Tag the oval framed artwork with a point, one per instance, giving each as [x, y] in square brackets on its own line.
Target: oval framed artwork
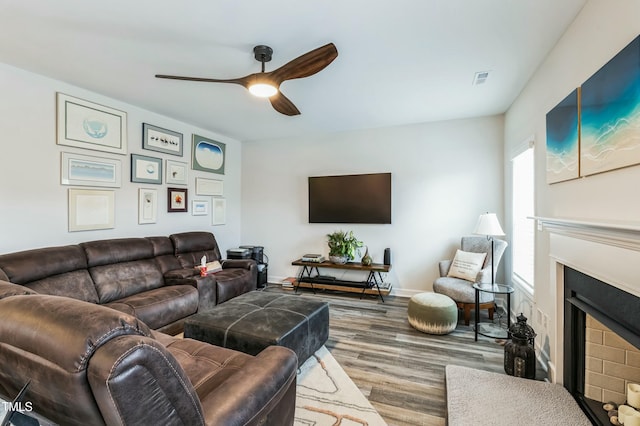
[207, 155]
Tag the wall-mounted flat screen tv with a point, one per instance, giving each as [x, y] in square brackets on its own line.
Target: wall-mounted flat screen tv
[364, 198]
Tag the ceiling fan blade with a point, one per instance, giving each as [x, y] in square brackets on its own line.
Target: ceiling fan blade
[283, 105]
[243, 81]
[307, 64]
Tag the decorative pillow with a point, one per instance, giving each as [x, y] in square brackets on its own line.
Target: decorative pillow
[466, 265]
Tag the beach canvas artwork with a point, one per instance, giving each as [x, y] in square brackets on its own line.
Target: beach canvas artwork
[610, 114]
[563, 139]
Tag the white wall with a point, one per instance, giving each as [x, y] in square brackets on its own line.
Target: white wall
[443, 176]
[440, 171]
[33, 203]
[598, 33]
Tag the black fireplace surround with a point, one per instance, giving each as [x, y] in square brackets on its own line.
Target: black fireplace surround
[615, 308]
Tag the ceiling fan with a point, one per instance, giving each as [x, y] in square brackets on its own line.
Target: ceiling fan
[267, 84]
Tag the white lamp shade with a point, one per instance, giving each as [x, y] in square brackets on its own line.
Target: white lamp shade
[488, 224]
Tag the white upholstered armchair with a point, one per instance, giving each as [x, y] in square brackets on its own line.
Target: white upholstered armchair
[461, 290]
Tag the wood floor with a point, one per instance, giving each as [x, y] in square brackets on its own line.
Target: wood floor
[400, 370]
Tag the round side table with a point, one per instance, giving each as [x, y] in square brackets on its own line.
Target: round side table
[489, 329]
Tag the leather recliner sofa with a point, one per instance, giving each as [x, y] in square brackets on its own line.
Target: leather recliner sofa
[150, 278]
[189, 247]
[89, 364]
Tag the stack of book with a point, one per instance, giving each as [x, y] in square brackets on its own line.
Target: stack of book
[316, 258]
[289, 283]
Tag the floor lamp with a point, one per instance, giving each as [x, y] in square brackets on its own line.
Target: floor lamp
[489, 225]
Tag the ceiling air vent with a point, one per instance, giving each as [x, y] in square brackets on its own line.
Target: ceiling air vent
[480, 77]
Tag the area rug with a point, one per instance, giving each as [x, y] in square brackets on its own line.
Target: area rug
[476, 397]
[327, 396]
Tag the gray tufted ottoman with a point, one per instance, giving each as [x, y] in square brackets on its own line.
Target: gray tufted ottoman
[251, 322]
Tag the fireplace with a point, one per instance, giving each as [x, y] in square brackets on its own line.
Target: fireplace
[601, 342]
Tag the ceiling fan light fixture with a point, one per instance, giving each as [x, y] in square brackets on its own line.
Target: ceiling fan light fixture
[263, 90]
[267, 84]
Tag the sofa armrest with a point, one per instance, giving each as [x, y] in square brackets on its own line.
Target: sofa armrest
[239, 263]
[262, 392]
[206, 286]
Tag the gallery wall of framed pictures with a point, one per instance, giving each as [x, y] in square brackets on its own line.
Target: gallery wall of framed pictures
[93, 139]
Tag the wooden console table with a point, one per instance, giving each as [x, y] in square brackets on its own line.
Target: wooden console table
[310, 277]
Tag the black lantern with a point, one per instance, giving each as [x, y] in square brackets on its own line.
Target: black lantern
[519, 352]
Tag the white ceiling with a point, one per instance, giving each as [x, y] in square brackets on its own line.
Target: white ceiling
[400, 62]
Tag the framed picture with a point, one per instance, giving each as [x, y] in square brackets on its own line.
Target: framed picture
[91, 209]
[147, 205]
[207, 155]
[177, 200]
[212, 187]
[219, 211]
[200, 207]
[162, 140]
[176, 172]
[84, 170]
[87, 125]
[146, 169]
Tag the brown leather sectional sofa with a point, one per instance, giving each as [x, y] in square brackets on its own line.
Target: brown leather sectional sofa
[83, 323]
[152, 278]
[91, 365]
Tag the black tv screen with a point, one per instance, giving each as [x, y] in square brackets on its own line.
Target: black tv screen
[362, 198]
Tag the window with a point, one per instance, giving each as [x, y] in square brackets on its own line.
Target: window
[523, 247]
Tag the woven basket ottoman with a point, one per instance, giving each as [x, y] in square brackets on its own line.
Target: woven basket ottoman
[433, 313]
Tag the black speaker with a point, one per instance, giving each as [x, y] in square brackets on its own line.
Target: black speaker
[387, 256]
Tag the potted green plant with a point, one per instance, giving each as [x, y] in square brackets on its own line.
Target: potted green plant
[343, 246]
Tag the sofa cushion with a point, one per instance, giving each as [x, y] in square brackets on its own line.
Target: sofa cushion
[77, 285]
[263, 381]
[160, 306]
[60, 271]
[163, 252]
[8, 289]
[207, 366]
[191, 246]
[107, 252]
[461, 291]
[119, 280]
[122, 267]
[161, 245]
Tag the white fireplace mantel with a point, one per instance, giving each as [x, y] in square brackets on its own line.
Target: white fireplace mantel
[608, 251]
[619, 234]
